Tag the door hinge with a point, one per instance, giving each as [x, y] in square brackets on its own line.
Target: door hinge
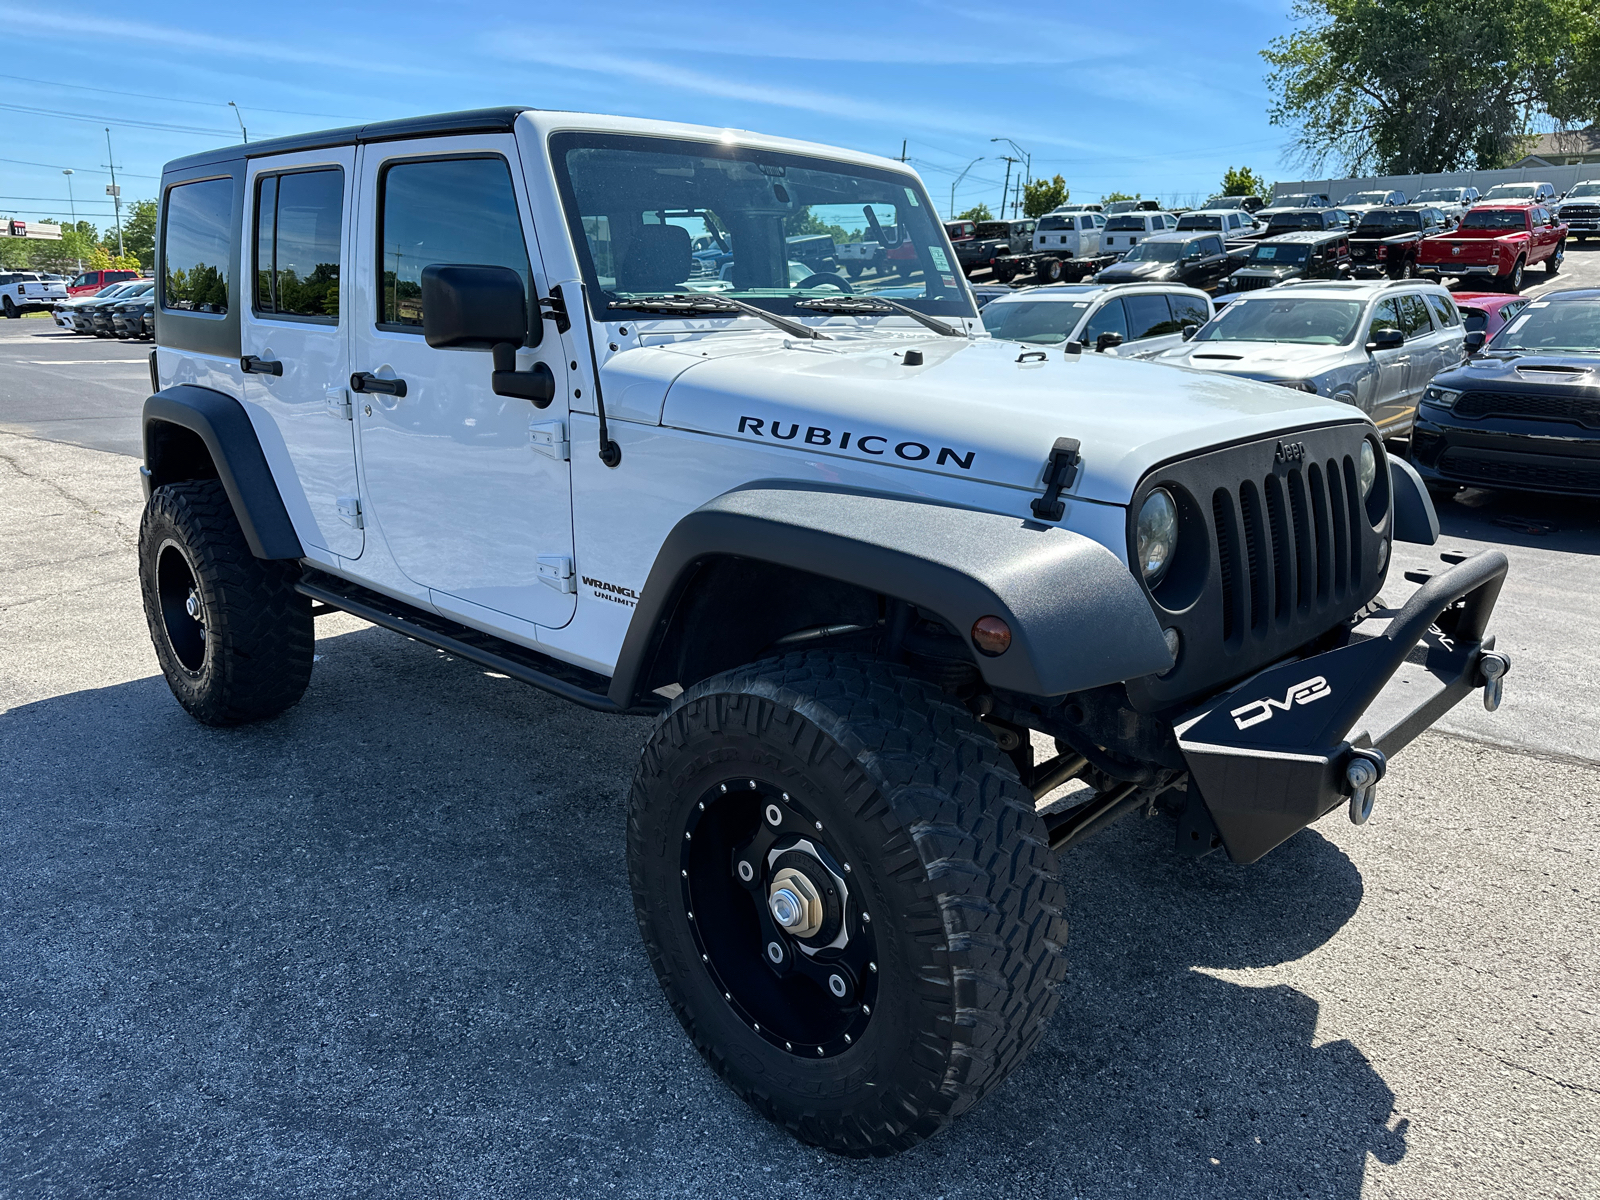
[554, 308]
[555, 571]
[350, 512]
[550, 438]
[337, 401]
[1059, 472]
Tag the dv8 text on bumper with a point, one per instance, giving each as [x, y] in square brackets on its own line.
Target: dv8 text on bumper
[1288, 746]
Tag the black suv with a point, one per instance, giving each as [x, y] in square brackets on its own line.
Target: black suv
[1524, 414]
[1385, 243]
[1308, 254]
[1199, 261]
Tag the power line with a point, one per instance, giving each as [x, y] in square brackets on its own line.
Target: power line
[22, 162]
[292, 112]
[129, 123]
[49, 198]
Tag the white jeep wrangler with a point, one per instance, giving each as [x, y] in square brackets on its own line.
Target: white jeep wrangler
[455, 375]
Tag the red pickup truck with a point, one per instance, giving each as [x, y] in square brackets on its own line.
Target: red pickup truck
[1497, 241]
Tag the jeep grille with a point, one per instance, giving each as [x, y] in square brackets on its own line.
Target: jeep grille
[1276, 547]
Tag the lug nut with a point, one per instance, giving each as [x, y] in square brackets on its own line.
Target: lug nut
[775, 952]
[837, 985]
[746, 871]
[774, 815]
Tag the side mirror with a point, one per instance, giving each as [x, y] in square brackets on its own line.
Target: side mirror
[485, 308]
[1107, 341]
[1474, 342]
[1189, 331]
[1387, 339]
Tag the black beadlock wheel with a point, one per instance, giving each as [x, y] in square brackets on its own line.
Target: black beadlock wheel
[846, 895]
[234, 639]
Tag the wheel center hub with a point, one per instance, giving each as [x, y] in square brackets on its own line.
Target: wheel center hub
[795, 903]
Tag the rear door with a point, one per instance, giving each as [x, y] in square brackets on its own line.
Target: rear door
[1153, 326]
[297, 252]
[471, 491]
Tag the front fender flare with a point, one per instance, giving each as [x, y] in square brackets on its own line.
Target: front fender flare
[1078, 618]
[223, 426]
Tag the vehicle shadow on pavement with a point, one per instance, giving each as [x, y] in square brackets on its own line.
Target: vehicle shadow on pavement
[384, 945]
[1525, 519]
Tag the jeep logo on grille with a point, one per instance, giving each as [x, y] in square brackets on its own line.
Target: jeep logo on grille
[1291, 452]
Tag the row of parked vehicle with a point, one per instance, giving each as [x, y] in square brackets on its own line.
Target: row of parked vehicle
[1227, 247]
[126, 310]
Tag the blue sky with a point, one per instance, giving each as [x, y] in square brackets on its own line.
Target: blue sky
[1156, 97]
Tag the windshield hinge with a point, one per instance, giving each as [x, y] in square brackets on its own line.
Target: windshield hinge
[554, 308]
[1059, 472]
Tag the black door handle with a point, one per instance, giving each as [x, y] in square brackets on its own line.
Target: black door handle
[251, 365]
[366, 381]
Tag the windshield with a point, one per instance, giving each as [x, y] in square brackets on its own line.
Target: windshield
[1570, 326]
[1495, 218]
[636, 205]
[1155, 252]
[1306, 322]
[1502, 191]
[1585, 189]
[1367, 198]
[1280, 255]
[1439, 195]
[1041, 322]
[1388, 218]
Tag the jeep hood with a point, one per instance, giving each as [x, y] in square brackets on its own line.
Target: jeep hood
[979, 409]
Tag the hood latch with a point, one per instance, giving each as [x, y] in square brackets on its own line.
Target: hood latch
[1059, 472]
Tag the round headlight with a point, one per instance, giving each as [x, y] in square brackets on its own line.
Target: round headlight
[1156, 535]
[1367, 469]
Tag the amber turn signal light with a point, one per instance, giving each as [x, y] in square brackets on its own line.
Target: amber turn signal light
[991, 636]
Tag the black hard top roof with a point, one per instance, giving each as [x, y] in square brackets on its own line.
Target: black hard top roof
[473, 120]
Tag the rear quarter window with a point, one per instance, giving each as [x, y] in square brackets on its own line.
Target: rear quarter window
[195, 266]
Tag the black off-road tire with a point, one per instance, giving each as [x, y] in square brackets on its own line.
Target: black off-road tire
[951, 860]
[248, 654]
[1513, 282]
[10, 309]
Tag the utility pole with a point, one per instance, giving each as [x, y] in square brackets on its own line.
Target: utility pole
[113, 190]
[959, 178]
[1027, 164]
[1005, 188]
[238, 116]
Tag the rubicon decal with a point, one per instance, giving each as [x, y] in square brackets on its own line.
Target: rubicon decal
[870, 444]
[1306, 692]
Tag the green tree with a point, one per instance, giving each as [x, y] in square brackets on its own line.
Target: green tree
[1242, 181]
[1115, 196]
[1042, 195]
[1431, 85]
[139, 232]
[979, 212]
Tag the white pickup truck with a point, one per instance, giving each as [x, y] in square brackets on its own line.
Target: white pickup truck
[29, 291]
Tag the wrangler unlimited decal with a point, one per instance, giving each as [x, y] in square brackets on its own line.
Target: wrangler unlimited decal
[816, 435]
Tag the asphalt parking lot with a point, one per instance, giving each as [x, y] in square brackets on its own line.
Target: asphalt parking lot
[383, 945]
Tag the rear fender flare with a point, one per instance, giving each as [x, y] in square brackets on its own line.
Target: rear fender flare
[1078, 617]
[236, 459]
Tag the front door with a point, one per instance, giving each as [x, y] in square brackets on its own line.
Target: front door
[471, 491]
[298, 250]
[1392, 371]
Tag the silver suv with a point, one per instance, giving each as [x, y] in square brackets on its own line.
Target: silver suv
[1129, 320]
[1375, 345]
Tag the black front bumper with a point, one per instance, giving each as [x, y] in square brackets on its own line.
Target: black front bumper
[1275, 754]
[1506, 452]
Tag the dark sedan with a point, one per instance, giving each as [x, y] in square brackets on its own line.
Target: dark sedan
[1525, 412]
[95, 315]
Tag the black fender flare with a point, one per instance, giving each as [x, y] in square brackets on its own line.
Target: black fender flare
[1078, 617]
[223, 426]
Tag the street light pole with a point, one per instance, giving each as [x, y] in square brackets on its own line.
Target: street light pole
[959, 178]
[1027, 167]
[238, 116]
[73, 205]
[116, 192]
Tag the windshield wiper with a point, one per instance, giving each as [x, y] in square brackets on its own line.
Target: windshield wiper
[877, 304]
[686, 303]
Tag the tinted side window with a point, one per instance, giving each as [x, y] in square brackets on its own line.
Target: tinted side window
[1188, 310]
[194, 271]
[1414, 315]
[443, 211]
[1444, 309]
[1385, 316]
[298, 220]
[1108, 318]
[1211, 246]
[1148, 316]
